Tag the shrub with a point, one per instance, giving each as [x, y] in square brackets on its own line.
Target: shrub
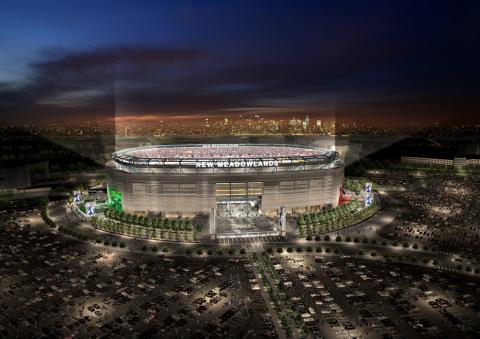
[338, 238]
[144, 248]
[384, 243]
[309, 238]
[231, 251]
[415, 246]
[336, 250]
[435, 262]
[114, 243]
[199, 251]
[348, 239]
[373, 241]
[269, 250]
[468, 269]
[318, 238]
[326, 238]
[360, 252]
[459, 267]
[373, 254]
[318, 250]
[405, 245]
[188, 251]
[365, 240]
[395, 243]
[165, 250]
[279, 250]
[309, 249]
[154, 249]
[356, 239]
[106, 242]
[299, 249]
[328, 250]
[98, 241]
[242, 251]
[122, 244]
[426, 260]
[289, 250]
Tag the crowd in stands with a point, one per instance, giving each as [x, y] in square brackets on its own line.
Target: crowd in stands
[221, 152]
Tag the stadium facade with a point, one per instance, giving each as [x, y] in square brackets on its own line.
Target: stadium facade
[185, 180]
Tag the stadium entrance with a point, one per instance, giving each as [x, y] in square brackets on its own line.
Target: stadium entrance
[239, 212]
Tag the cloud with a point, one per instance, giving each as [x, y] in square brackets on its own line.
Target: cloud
[134, 54]
[84, 82]
[352, 75]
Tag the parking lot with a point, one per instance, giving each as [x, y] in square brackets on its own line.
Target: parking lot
[56, 286]
[348, 297]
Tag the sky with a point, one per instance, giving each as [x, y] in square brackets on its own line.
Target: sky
[377, 62]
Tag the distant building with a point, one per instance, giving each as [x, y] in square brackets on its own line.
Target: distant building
[457, 162]
[21, 176]
[306, 122]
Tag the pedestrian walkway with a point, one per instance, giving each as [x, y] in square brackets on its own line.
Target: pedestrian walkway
[250, 240]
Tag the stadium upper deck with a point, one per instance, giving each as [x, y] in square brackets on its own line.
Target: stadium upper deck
[246, 155]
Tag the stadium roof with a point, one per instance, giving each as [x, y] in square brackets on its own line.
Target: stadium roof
[192, 154]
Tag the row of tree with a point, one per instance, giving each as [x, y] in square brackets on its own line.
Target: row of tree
[329, 214]
[44, 214]
[334, 219]
[142, 231]
[144, 221]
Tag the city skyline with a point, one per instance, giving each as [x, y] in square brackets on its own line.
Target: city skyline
[373, 62]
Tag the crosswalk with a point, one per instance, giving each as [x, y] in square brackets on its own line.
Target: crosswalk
[250, 240]
[58, 218]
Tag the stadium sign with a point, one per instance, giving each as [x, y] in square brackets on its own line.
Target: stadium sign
[236, 163]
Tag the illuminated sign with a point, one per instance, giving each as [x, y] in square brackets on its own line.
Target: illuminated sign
[90, 208]
[236, 163]
[369, 200]
[368, 187]
[220, 145]
[77, 196]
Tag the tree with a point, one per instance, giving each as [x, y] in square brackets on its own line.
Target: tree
[188, 226]
[301, 231]
[166, 224]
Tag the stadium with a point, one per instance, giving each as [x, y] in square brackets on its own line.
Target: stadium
[241, 188]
